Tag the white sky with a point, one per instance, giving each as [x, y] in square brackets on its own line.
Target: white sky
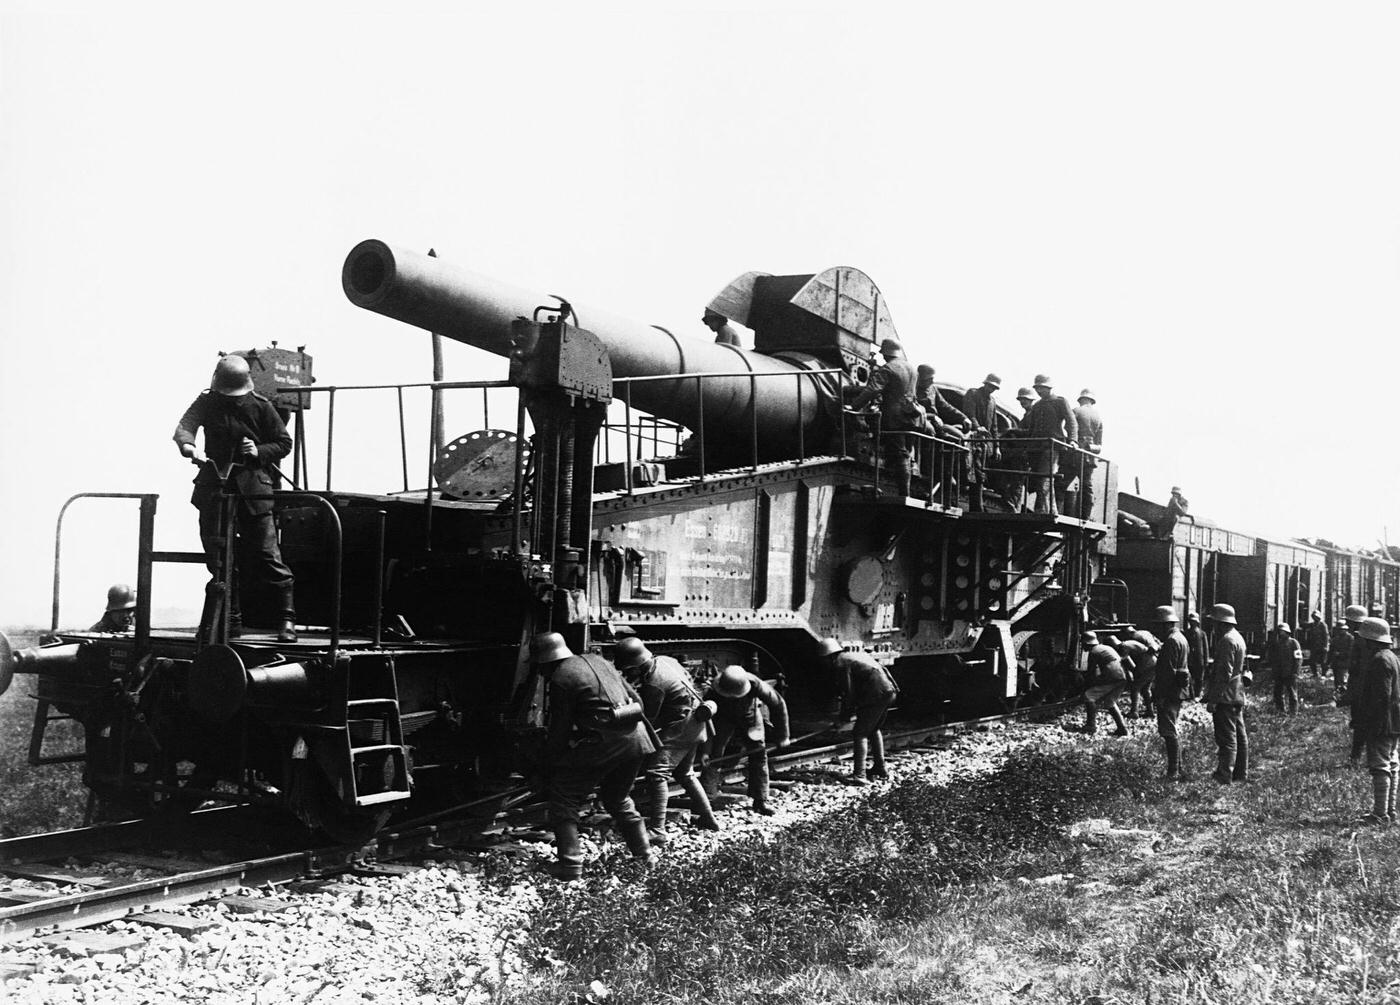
[1192, 208]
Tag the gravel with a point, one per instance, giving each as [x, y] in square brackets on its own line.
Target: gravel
[444, 933]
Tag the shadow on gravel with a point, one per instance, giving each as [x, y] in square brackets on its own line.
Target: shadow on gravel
[815, 894]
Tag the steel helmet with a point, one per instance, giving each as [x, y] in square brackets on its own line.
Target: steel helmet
[1193, 616]
[1025, 394]
[121, 598]
[1086, 393]
[992, 379]
[1043, 380]
[830, 647]
[631, 653]
[1376, 630]
[733, 682]
[1223, 613]
[1284, 627]
[890, 346]
[1166, 614]
[550, 647]
[232, 377]
[1355, 612]
[925, 370]
[1090, 638]
[1376, 611]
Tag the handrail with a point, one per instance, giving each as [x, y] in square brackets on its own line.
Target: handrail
[144, 547]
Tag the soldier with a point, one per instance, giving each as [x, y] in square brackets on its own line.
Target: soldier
[1177, 507]
[1377, 709]
[1049, 418]
[893, 385]
[672, 705]
[946, 420]
[1107, 679]
[1081, 468]
[1199, 645]
[1225, 686]
[121, 608]
[1172, 684]
[1139, 655]
[1343, 636]
[867, 691]
[980, 404]
[745, 703]
[1355, 662]
[1025, 397]
[719, 324]
[244, 438]
[1285, 658]
[1318, 642]
[597, 740]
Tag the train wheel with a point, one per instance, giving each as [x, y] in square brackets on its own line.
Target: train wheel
[314, 801]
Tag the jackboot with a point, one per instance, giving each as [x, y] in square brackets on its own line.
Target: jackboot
[1241, 758]
[859, 746]
[634, 832]
[288, 630]
[1117, 717]
[1380, 799]
[658, 795]
[1173, 757]
[877, 757]
[1222, 767]
[568, 851]
[1091, 717]
[700, 812]
[1390, 799]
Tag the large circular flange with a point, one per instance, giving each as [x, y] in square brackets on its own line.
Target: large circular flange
[864, 580]
[218, 683]
[479, 467]
[7, 662]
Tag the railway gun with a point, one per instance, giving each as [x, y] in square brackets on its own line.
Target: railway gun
[723, 503]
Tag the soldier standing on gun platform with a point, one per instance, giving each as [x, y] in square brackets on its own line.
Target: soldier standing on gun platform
[121, 607]
[1081, 467]
[1199, 644]
[867, 691]
[1377, 714]
[1172, 684]
[746, 703]
[672, 705]
[893, 385]
[1107, 679]
[1285, 658]
[1225, 684]
[244, 438]
[597, 740]
[1050, 418]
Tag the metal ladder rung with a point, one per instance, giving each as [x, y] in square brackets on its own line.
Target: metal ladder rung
[375, 748]
[374, 798]
[372, 702]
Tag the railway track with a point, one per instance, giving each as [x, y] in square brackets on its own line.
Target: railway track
[94, 896]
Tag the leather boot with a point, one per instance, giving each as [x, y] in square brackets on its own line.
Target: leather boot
[700, 811]
[568, 850]
[1117, 717]
[859, 745]
[288, 630]
[1091, 718]
[634, 832]
[658, 795]
[877, 757]
[1222, 767]
[1380, 799]
[1241, 758]
[1173, 757]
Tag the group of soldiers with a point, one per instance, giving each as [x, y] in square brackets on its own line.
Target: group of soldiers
[1050, 451]
[642, 715]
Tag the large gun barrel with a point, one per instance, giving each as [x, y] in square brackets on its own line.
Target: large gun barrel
[787, 401]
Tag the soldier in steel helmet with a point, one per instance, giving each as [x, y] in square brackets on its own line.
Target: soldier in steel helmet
[1285, 659]
[1139, 655]
[867, 692]
[1343, 636]
[755, 710]
[121, 609]
[597, 739]
[892, 385]
[1078, 469]
[1225, 684]
[1050, 418]
[1107, 680]
[244, 438]
[671, 703]
[1354, 681]
[1319, 641]
[1199, 644]
[1172, 684]
[1376, 712]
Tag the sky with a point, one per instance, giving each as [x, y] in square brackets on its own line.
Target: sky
[1191, 208]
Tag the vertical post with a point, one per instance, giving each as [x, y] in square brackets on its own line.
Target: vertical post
[380, 518]
[403, 439]
[485, 409]
[432, 462]
[517, 499]
[841, 408]
[330, 435]
[753, 419]
[801, 437]
[145, 544]
[700, 423]
[627, 437]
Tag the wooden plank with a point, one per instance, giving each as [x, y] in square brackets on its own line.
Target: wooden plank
[239, 904]
[181, 924]
[387, 869]
[53, 874]
[85, 943]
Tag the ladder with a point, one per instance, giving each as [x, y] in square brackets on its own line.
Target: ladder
[379, 769]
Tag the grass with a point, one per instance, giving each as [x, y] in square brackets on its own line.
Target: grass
[35, 799]
[1267, 892]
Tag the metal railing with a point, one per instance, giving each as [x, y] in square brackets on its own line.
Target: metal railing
[1049, 468]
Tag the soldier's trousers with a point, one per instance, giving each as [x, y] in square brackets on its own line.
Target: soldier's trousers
[757, 767]
[1042, 480]
[257, 556]
[1286, 693]
[1231, 743]
[570, 784]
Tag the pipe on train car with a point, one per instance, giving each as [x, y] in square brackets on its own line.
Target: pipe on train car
[53, 660]
[790, 404]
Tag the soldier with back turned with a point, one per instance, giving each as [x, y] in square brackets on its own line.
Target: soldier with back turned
[893, 386]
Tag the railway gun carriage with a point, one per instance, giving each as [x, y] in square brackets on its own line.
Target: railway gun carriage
[722, 503]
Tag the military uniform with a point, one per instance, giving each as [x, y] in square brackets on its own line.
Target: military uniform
[1140, 661]
[1198, 646]
[750, 716]
[585, 750]
[867, 690]
[109, 625]
[1050, 417]
[669, 700]
[1225, 691]
[893, 386]
[1339, 659]
[1080, 473]
[1318, 643]
[1107, 680]
[226, 421]
[1171, 685]
[1378, 722]
[1285, 658]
